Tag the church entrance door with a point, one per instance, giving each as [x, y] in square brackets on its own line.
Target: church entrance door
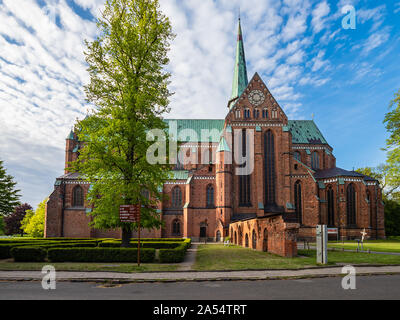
[265, 241]
[203, 232]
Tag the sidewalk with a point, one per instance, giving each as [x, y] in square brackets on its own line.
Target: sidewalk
[194, 276]
[312, 247]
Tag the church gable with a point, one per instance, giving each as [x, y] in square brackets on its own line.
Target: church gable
[257, 104]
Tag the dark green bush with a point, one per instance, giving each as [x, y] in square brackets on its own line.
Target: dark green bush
[5, 248]
[153, 245]
[176, 255]
[159, 239]
[67, 245]
[100, 255]
[28, 254]
[172, 255]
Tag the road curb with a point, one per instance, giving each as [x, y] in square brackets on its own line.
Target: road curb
[117, 281]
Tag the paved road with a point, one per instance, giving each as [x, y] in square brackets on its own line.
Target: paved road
[368, 287]
[205, 276]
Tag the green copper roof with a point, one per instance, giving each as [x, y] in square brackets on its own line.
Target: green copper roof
[180, 175]
[240, 79]
[303, 131]
[223, 146]
[306, 132]
[71, 136]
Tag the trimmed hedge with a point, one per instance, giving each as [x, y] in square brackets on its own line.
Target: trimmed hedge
[85, 250]
[100, 255]
[28, 254]
[5, 249]
[159, 239]
[176, 255]
[153, 245]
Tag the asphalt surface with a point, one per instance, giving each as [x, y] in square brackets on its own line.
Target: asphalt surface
[368, 287]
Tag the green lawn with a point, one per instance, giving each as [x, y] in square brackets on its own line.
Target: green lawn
[8, 265]
[219, 257]
[373, 245]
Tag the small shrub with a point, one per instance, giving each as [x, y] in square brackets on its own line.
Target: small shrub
[176, 255]
[6, 248]
[28, 254]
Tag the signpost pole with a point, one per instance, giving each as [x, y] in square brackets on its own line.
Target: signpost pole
[138, 252]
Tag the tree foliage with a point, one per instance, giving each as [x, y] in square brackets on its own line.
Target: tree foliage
[13, 221]
[128, 87]
[9, 195]
[2, 225]
[384, 173]
[392, 121]
[392, 218]
[33, 222]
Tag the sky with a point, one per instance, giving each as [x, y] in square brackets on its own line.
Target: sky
[344, 79]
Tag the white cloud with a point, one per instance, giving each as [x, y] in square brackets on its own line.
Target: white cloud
[377, 15]
[318, 62]
[375, 40]
[397, 7]
[319, 16]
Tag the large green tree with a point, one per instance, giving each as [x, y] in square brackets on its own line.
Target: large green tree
[9, 195]
[392, 121]
[386, 175]
[33, 222]
[128, 87]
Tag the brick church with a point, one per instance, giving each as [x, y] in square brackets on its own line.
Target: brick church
[293, 184]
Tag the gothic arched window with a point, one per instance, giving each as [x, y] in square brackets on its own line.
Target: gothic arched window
[254, 239]
[298, 201]
[77, 197]
[315, 161]
[265, 114]
[210, 196]
[247, 240]
[176, 197]
[176, 227]
[244, 180]
[297, 156]
[256, 113]
[369, 199]
[237, 114]
[269, 159]
[351, 205]
[331, 207]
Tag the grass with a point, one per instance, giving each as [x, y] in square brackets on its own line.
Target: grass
[373, 245]
[9, 265]
[218, 257]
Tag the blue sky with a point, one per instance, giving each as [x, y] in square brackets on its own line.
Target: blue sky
[346, 78]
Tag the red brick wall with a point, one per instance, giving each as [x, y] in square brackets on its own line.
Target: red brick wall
[281, 236]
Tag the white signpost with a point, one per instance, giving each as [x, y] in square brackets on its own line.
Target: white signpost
[322, 244]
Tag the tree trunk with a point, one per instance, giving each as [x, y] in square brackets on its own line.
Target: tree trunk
[126, 236]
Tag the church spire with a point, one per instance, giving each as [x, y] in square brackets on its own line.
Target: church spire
[240, 80]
